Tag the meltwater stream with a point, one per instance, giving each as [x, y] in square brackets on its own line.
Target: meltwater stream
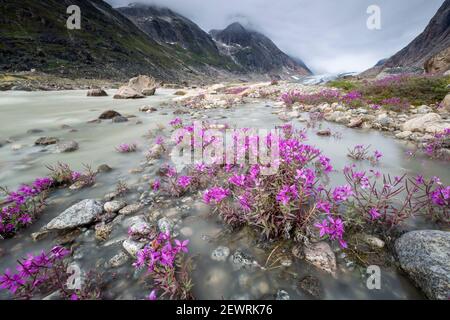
[65, 115]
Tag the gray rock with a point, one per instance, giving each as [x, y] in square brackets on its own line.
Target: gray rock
[118, 260]
[425, 256]
[424, 109]
[45, 141]
[114, 206]
[221, 253]
[321, 256]
[67, 146]
[80, 214]
[119, 119]
[132, 247]
[130, 209]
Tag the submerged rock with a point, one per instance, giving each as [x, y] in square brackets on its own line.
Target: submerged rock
[220, 253]
[282, 295]
[118, 260]
[119, 119]
[324, 133]
[321, 256]
[240, 260]
[312, 286]
[103, 168]
[425, 256]
[102, 231]
[67, 146]
[82, 213]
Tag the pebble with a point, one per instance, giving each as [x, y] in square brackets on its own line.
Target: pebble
[114, 206]
[130, 209]
[132, 247]
[165, 225]
[282, 295]
[221, 253]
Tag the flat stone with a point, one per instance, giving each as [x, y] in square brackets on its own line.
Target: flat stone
[82, 213]
[130, 209]
[114, 206]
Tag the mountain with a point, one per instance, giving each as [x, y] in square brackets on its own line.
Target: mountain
[429, 50]
[33, 35]
[169, 28]
[255, 52]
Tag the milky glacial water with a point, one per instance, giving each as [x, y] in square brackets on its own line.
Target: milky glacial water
[65, 115]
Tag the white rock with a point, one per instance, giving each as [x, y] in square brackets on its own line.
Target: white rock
[79, 214]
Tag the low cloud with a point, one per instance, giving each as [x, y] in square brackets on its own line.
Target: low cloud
[329, 36]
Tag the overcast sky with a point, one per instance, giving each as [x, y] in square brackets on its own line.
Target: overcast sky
[330, 36]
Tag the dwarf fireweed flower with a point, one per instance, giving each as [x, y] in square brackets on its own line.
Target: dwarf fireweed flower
[216, 194]
[34, 272]
[156, 185]
[152, 296]
[374, 213]
[160, 257]
[24, 204]
[237, 180]
[333, 228]
[377, 155]
[176, 123]
[286, 194]
[342, 193]
[184, 181]
[441, 196]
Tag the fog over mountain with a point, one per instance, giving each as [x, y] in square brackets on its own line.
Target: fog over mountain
[329, 36]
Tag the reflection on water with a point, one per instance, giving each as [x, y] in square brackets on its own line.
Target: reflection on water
[66, 114]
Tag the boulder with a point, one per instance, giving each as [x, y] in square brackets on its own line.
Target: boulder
[425, 256]
[45, 141]
[430, 122]
[97, 93]
[80, 214]
[126, 92]
[109, 114]
[67, 146]
[144, 85]
[321, 256]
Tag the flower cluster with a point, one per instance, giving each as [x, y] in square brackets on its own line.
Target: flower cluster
[24, 204]
[162, 257]
[176, 123]
[333, 228]
[434, 148]
[126, 148]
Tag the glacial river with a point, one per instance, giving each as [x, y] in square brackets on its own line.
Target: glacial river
[66, 115]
